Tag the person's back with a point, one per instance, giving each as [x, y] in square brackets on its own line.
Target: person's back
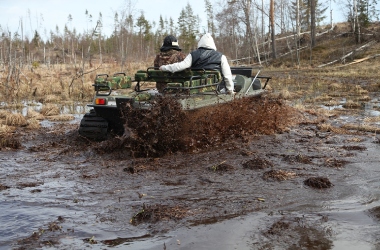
[206, 57]
[168, 57]
[170, 52]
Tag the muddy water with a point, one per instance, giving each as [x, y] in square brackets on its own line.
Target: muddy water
[236, 192]
[354, 216]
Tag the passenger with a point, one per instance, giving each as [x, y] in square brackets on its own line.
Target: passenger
[170, 52]
[206, 57]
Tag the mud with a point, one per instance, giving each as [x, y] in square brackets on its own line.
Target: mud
[167, 129]
[318, 182]
[252, 175]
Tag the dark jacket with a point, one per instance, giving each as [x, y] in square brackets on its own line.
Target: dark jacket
[203, 58]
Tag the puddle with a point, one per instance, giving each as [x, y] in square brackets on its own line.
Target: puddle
[65, 108]
[211, 198]
[22, 218]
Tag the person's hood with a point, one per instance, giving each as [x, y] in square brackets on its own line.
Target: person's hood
[207, 42]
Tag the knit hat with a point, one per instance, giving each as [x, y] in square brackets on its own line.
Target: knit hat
[170, 42]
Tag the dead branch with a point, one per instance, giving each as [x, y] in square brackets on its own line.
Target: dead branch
[80, 74]
[287, 53]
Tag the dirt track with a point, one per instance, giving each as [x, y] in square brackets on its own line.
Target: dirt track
[299, 187]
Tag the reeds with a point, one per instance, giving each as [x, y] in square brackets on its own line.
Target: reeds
[60, 118]
[32, 114]
[50, 110]
[3, 113]
[5, 129]
[7, 139]
[16, 119]
[33, 124]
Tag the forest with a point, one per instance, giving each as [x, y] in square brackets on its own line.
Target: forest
[248, 32]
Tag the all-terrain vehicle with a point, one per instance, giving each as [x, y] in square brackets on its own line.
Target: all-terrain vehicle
[193, 88]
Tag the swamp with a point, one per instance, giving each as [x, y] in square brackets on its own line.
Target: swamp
[297, 168]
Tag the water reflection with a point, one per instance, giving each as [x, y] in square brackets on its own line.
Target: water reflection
[65, 108]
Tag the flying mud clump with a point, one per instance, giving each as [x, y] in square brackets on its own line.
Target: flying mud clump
[167, 128]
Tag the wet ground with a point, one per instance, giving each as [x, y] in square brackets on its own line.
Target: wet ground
[294, 180]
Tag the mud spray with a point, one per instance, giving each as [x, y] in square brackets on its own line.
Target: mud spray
[167, 128]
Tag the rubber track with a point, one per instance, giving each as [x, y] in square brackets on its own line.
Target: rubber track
[93, 126]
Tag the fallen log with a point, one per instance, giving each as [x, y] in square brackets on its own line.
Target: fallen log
[359, 60]
[349, 54]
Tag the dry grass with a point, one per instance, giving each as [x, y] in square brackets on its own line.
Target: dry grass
[325, 112]
[158, 212]
[362, 127]
[331, 103]
[334, 86]
[257, 163]
[31, 113]
[334, 163]
[364, 98]
[60, 118]
[8, 141]
[3, 113]
[372, 119]
[299, 106]
[15, 120]
[323, 98]
[50, 110]
[51, 98]
[279, 175]
[351, 104]
[285, 94]
[324, 127]
[367, 69]
[321, 85]
[16, 105]
[59, 82]
[5, 129]
[355, 139]
[33, 123]
[358, 90]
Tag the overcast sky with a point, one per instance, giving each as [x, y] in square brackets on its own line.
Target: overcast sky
[45, 15]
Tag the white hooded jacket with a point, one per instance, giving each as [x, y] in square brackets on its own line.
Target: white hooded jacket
[207, 42]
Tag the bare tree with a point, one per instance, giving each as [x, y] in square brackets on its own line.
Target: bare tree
[124, 30]
[273, 34]
[298, 31]
[229, 29]
[298, 25]
[312, 22]
[356, 21]
[99, 33]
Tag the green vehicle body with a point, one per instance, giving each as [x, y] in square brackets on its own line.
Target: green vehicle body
[193, 88]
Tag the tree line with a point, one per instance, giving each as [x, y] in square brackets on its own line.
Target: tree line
[242, 29]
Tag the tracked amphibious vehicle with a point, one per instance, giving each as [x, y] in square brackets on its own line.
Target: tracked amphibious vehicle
[193, 88]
